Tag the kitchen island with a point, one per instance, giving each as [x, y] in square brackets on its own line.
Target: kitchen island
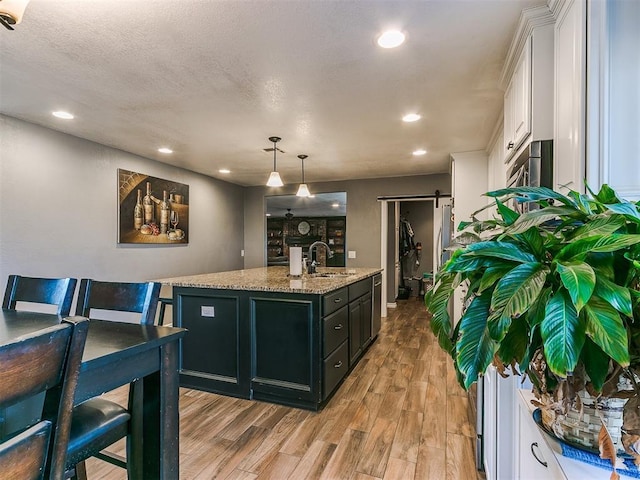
[261, 334]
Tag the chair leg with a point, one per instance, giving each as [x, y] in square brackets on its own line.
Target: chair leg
[80, 472]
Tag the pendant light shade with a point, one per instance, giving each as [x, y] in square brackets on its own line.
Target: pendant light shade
[11, 12]
[274, 178]
[303, 190]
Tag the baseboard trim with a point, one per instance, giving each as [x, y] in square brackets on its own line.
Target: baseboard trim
[392, 305]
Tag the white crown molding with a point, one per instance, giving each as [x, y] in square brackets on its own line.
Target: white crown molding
[530, 18]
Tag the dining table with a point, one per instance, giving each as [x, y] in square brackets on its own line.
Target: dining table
[115, 354]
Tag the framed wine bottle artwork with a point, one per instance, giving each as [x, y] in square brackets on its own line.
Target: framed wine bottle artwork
[152, 210]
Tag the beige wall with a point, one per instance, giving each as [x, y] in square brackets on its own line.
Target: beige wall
[58, 212]
[363, 213]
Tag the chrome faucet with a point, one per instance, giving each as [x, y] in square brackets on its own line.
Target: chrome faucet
[312, 266]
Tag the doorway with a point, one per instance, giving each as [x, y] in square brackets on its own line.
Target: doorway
[405, 264]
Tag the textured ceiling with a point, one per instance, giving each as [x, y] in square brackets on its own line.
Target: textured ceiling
[214, 79]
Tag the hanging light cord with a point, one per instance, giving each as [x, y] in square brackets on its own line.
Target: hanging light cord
[303, 170]
[274, 157]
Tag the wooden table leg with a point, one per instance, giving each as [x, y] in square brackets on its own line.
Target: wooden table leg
[160, 445]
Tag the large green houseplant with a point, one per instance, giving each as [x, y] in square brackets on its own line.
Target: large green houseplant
[552, 293]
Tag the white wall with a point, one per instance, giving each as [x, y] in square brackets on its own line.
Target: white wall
[58, 212]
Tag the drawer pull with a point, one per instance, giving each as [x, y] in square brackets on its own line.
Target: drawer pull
[337, 327]
[541, 462]
[337, 300]
[339, 364]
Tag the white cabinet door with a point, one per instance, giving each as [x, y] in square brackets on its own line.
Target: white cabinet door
[535, 459]
[517, 103]
[569, 124]
[522, 96]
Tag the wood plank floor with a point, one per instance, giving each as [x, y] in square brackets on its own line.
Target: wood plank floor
[399, 415]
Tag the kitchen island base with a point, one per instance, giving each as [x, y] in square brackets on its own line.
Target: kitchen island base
[290, 348]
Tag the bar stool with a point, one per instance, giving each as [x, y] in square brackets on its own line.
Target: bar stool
[164, 301]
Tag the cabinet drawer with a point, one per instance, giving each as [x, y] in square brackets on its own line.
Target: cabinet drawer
[334, 300]
[336, 328]
[335, 368]
[360, 288]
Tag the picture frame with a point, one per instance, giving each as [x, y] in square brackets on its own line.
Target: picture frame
[152, 210]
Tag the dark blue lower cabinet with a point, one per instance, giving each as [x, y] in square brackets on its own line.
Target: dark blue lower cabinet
[290, 349]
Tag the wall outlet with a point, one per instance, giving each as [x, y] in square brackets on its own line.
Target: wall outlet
[242, 253]
[352, 254]
[207, 311]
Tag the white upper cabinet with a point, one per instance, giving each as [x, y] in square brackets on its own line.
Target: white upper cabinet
[613, 96]
[527, 79]
[569, 119]
[517, 102]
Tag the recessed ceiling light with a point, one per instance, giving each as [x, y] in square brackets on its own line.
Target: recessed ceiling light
[420, 151]
[268, 215]
[224, 170]
[335, 205]
[165, 150]
[391, 39]
[63, 115]
[411, 117]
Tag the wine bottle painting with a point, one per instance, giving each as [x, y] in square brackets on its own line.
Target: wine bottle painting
[152, 210]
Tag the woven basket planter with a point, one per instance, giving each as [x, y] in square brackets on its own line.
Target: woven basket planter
[581, 428]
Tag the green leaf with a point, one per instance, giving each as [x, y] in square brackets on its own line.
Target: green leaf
[503, 250]
[475, 348]
[537, 217]
[607, 195]
[598, 244]
[579, 280]
[508, 216]
[581, 201]
[514, 294]
[604, 326]
[618, 297]
[599, 225]
[438, 305]
[625, 208]
[596, 364]
[536, 312]
[514, 345]
[563, 334]
[491, 275]
[535, 342]
[532, 194]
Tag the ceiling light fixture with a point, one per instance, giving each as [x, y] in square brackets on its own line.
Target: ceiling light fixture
[11, 12]
[411, 117]
[165, 150]
[391, 39]
[335, 205]
[274, 178]
[224, 170]
[303, 190]
[63, 115]
[420, 151]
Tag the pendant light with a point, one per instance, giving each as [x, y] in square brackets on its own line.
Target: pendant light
[11, 12]
[303, 190]
[274, 178]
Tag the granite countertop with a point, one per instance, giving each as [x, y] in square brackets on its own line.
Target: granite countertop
[275, 279]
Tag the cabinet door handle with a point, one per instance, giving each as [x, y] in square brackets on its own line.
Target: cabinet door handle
[337, 327]
[339, 364]
[337, 300]
[541, 462]
[377, 284]
[510, 145]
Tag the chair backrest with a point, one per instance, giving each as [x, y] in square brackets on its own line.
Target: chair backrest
[122, 297]
[51, 291]
[45, 361]
[24, 457]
